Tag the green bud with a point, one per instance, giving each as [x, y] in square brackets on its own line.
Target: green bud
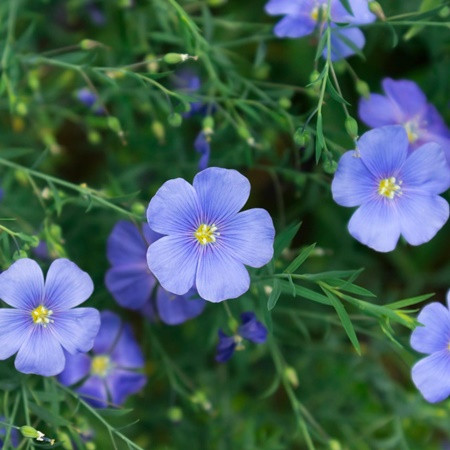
[199, 398]
[55, 232]
[244, 133]
[215, 3]
[208, 125]
[175, 414]
[33, 79]
[21, 176]
[363, 88]
[175, 58]
[21, 109]
[19, 254]
[138, 208]
[175, 120]
[262, 71]
[284, 102]
[233, 324]
[89, 44]
[159, 131]
[315, 74]
[34, 241]
[291, 375]
[31, 432]
[114, 124]
[376, 8]
[94, 137]
[351, 125]
[125, 3]
[444, 12]
[302, 137]
[334, 444]
[330, 166]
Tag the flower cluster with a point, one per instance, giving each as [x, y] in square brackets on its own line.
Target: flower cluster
[302, 17]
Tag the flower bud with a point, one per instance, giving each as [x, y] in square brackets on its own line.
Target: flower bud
[208, 125]
[175, 120]
[363, 88]
[94, 137]
[330, 166]
[351, 127]
[334, 444]
[302, 137]
[175, 58]
[159, 131]
[21, 109]
[314, 76]
[175, 414]
[291, 376]
[138, 209]
[376, 8]
[284, 102]
[114, 124]
[89, 44]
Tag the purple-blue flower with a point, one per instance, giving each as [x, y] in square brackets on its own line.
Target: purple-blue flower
[44, 321]
[405, 104]
[203, 147]
[251, 329]
[188, 81]
[132, 284]
[431, 375]
[111, 371]
[396, 191]
[89, 99]
[207, 241]
[14, 438]
[302, 16]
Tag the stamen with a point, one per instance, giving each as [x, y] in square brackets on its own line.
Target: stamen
[41, 315]
[206, 234]
[411, 131]
[388, 188]
[100, 365]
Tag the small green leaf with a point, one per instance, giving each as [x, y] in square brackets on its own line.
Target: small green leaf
[300, 259]
[284, 239]
[409, 301]
[274, 295]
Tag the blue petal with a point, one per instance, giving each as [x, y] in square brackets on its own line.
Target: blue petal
[339, 47]
[76, 329]
[294, 26]
[360, 9]
[66, 285]
[93, 390]
[421, 217]
[407, 95]
[41, 353]
[434, 335]
[174, 209]
[434, 130]
[202, 146]
[110, 326]
[22, 285]
[150, 235]
[275, 7]
[431, 375]
[352, 184]
[378, 110]
[220, 276]
[221, 193]
[252, 329]
[225, 347]
[384, 150]
[123, 383]
[77, 367]
[376, 225]
[131, 286]
[173, 260]
[126, 351]
[426, 171]
[15, 327]
[249, 237]
[176, 309]
[126, 245]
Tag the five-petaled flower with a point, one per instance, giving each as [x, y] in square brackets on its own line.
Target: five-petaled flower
[207, 241]
[431, 374]
[397, 192]
[133, 285]
[302, 17]
[44, 320]
[110, 373]
[405, 104]
[251, 329]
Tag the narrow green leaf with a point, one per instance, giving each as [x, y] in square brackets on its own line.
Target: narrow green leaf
[409, 301]
[346, 5]
[301, 291]
[284, 239]
[300, 259]
[319, 137]
[335, 94]
[274, 295]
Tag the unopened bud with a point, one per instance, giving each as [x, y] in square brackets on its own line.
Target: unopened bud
[32, 433]
[363, 88]
[302, 137]
[175, 120]
[208, 125]
[376, 8]
[138, 209]
[175, 414]
[21, 109]
[94, 137]
[334, 444]
[175, 58]
[291, 376]
[330, 166]
[314, 77]
[152, 63]
[351, 125]
[159, 131]
[284, 102]
[89, 44]
[114, 124]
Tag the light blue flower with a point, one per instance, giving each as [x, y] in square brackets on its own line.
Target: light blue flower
[207, 241]
[397, 192]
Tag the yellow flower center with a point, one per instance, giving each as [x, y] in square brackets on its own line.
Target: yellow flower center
[100, 365]
[388, 187]
[206, 234]
[411, 131]
[41, 315]
[315, 13]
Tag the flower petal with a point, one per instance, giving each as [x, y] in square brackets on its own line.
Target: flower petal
[93, 390]
[407, 95]
[22, 285]
[378, 110]
[384, 150]
[77, 367]
[275, 7]
[376, 225]
[173, 260]
[174, 209]
[40, 353]
[110, 326]
[252, 329]
[353, 184]
[15, 327]
[126, 352]
[66, 285]
[431, 375]
[126, 245]
[434, 335]
[131, 285]
[221, 193]
[360, 9]
[175, 309]
[220, 276]
[426, 170]
[123, 383]
[249, 237]
[339, 46]
[421, 217]
[294, 26]
[76, 329]
[225, 347]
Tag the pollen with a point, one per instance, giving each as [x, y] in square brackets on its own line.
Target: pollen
[206, 234]
[41, 315]
[389, 187]
[100, 365]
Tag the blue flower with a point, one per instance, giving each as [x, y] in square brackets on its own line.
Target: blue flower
[44, 320]
[110, 372]
[189, 82]
[397, 192]
[89, 99]
[405, 104]
[207, 241]
[302, 16]
[431, 375]
[203, 147]
[251, 329]
[132, 284]
[14, 438]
